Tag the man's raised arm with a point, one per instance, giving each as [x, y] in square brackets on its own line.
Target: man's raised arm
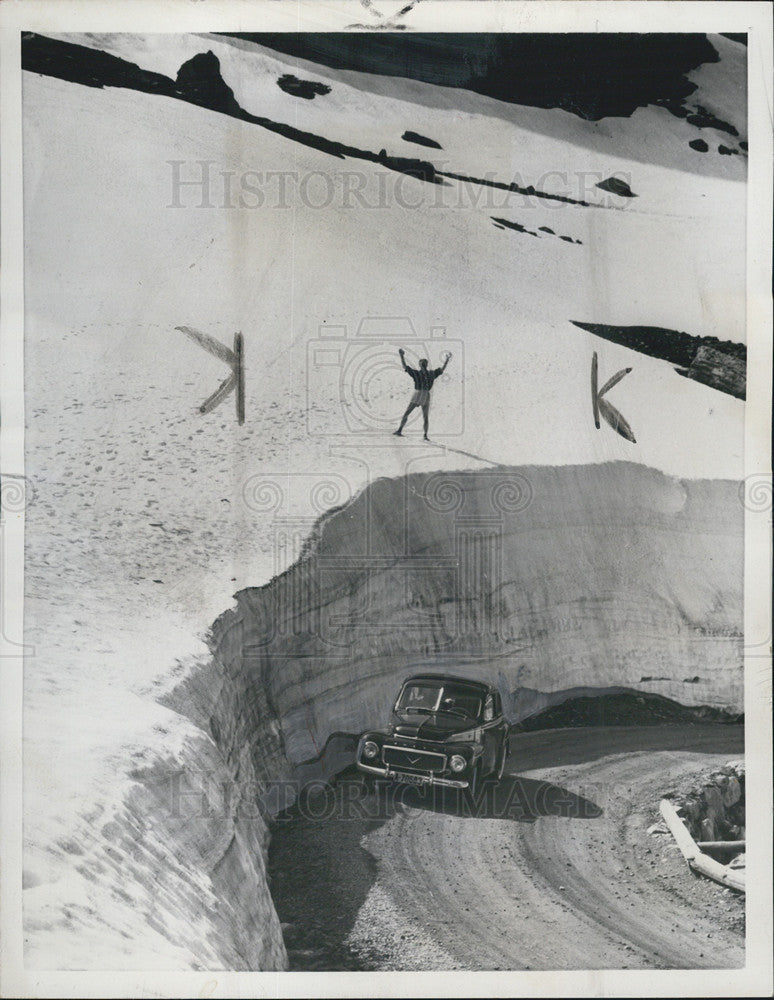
[446, 361]
[403, 360]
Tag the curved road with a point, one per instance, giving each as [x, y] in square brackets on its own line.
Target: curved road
[551, 869]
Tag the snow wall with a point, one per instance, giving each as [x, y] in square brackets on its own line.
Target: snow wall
[551, 582]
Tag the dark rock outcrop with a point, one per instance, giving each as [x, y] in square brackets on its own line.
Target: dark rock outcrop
[308, 89]
[616, 186]
[715, 809]
[721, 364]
[421, 140]
[591, 75]
[702, 118]
[199, 81]
[719, 370]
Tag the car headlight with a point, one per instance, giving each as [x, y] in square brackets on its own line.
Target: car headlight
[471, 736]
[457, 762]
[370, 749]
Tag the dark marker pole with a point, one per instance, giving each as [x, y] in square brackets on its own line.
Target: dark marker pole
[239, 370]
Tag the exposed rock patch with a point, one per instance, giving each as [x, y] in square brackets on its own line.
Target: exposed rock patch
[199, 81]
[308, 89]
[712, 807]
[702, 118]
[421, 140]
[714, 810]
[592, 76]
[519, 228]
[624, 709]
[721, 364]
[720, 370]
[616, 186]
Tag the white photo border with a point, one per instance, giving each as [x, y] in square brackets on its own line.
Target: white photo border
[181, 16]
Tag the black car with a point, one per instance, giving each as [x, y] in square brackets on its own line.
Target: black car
[442, 731]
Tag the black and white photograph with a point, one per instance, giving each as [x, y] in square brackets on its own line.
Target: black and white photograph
[386, 498]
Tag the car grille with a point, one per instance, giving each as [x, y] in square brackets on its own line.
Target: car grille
[414, 760]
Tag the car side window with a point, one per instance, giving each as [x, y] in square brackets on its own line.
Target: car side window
[488, 709]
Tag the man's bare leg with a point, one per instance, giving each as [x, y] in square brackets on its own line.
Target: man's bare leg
[426, 417]
[409, 408]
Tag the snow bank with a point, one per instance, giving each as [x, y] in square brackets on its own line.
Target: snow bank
[545, 581]
[170, 877]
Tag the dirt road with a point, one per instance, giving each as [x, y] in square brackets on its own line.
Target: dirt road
[551, 869]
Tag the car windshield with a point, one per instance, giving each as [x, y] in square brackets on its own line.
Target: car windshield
[419, 698]
[453, 699]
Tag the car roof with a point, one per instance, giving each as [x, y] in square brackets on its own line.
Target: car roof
[451, 678]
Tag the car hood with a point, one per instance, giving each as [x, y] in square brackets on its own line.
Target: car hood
[439, 726]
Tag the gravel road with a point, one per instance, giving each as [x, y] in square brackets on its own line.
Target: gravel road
[552, 869]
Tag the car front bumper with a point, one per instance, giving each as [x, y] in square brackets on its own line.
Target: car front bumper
[427, 779]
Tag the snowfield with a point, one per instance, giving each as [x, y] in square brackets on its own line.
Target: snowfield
[148, 517]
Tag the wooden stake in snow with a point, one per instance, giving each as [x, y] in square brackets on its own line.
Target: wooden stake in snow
[698, 861]
[234, 359]
[600, 405]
